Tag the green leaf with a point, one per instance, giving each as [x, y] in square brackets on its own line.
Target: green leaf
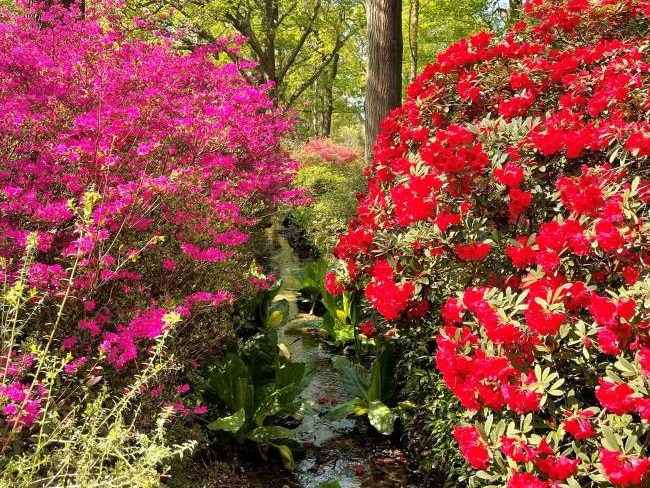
[278, 314]
[269, 433]
[382, 384]
[287, 374]
[381, 417]
[232, 383]
[354, 377]
[231, 423]
[609, 439]
[286, 455]
[330, 484]
[345, 409]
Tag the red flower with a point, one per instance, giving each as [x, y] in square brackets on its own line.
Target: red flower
[630, 275]
[603, 310]
[519, 202]
[526, 480]
[385, 295]
[473, 251]
[333, 285]
[548, 260]
[644, 360]
[367, 328]
[542, 322]
[557, 468]
[511, 175]
[622, 470]
[520, 399]
[418, 310]
[452, 311]
[618, 399]
[522, 256]
[472, 447]
[518, 451]
[578, 424]
[608, 236]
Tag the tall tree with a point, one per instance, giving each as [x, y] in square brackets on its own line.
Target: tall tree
[384, 71]
[294, 41]
[414, 31]
[328, 110]
[516, 7]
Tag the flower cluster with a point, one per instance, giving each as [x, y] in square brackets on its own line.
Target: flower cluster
[511, 190]
[325, 150]
[140, 171]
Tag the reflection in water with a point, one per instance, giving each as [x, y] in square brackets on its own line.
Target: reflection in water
[339, 449]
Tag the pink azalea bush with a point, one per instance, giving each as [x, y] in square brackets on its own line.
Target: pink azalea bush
[136, 174]
[507, 207]
[327, 151]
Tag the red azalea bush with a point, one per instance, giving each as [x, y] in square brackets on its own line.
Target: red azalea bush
[511, 192]
[137, 174]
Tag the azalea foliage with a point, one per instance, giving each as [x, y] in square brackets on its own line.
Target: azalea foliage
[508, 202]
[134, 174]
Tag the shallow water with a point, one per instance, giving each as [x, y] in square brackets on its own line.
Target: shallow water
[338, 449]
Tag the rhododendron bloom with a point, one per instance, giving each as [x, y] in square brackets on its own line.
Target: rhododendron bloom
[510, 175]
[472, 252]
[332, 284]
[618, 399]
[557, 468]
[526, 480]
[367, 328]
[608, 236]
[623, 470]
[579, 425]
[472, 447]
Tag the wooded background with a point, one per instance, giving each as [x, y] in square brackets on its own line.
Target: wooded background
[340, 65]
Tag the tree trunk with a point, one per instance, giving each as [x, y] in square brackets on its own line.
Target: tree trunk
[269, 22]
[414, 28]
[514, 12]
[384, 73]
[328, 110]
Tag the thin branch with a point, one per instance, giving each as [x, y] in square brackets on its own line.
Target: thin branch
[299, 45]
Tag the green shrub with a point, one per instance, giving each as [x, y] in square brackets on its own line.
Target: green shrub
[333, 185]
[429, 428]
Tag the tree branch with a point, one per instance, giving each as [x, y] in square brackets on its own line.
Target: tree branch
[299, 45]
[310, 81]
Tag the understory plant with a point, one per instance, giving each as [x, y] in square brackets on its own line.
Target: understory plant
[258, 401]
[372, 391]
[507, 210]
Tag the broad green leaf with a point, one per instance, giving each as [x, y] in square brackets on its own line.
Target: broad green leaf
[288, 374]
[231, 423]
[269, 433]
[286, 455]
[341, 316]
[381, 417]
[345, 409]
[278, 314]
[354, 377]
[382, 381]
[330, 484]
[609, 439]
[232, 383]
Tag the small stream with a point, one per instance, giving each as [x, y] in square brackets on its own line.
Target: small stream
[340, 450]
